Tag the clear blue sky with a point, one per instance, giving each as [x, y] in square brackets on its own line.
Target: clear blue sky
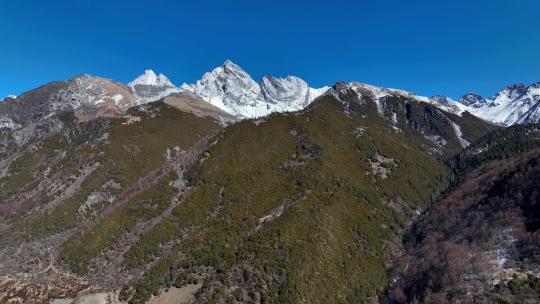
[428, 47]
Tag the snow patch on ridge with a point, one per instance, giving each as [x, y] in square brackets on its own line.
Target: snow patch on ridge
[457, 129]
[7, 123]
[379, 93]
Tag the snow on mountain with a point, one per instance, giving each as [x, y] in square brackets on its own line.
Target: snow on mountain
[444, 100]
[150, 87]
[7, 123]
[234, 91]
[87, 90]
[457, 129]
[379, 93]
[231, 89]
[287, 90]
[407, 110]
[516, 104]
[228, 87]
[88, 96]
[79, 94]
[290, 93]
[510, 92]
[473, 100]
[150, 78]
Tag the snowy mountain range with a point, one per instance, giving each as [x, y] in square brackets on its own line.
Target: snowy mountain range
[516, 104]
[232, 90]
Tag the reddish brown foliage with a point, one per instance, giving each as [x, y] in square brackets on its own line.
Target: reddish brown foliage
[446, 249]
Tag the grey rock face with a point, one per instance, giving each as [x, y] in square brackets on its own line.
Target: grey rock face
[473, 100]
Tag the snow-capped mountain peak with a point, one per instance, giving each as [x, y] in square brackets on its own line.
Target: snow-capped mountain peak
[9, 97]
[150, 86]
[228, 87]
[534, 86]
[444, 100]
[513, 104]
[149, 78]
[232, 68]
[233, 90]
[473, 100]
[286, 90]
[508, 94]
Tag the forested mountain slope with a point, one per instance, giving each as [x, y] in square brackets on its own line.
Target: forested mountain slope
[480, 244]
[315, 195]
[90, 172]
[293, 207]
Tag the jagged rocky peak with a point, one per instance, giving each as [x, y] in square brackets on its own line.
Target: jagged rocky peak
[231, 75]
[227, 84]
[233, 90]
[534, 86]
[10, 97]
[230, 67]
[273, 86]
[445, 100]
[473, 100]
[340, 85]
[342, 90]
[149, 78]
[149, 86]
[515, 104]
[359, 90]
[290, 90]
[379, 92]
[88, 90]
[105, 96]
[511, 92]
[533, 91]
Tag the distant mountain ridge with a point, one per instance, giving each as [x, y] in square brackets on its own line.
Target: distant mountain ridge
[515, 104]
[232, 90]
[227, 87]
